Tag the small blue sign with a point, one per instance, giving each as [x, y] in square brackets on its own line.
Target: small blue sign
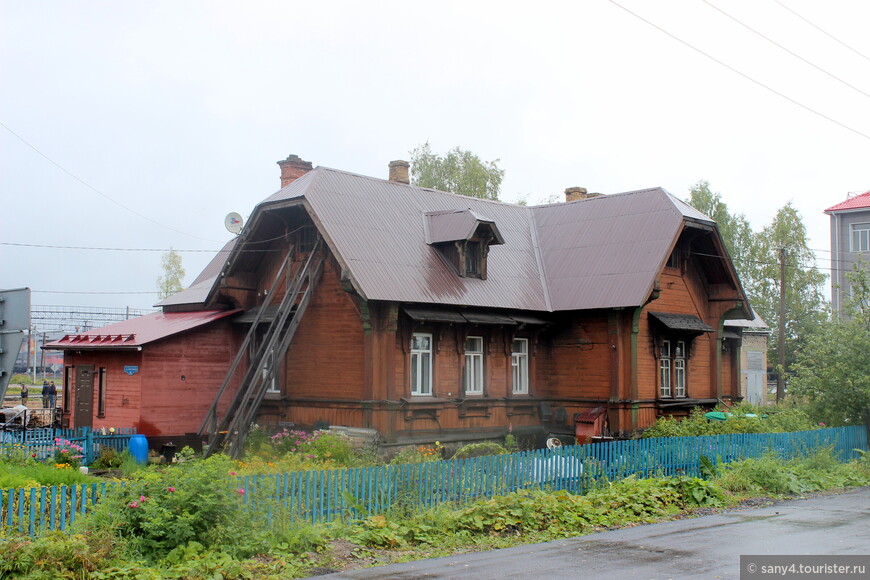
[131, 370]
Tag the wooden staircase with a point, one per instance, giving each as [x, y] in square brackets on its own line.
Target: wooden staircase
[227, 432]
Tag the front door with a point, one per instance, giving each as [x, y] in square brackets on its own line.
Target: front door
[84, 396]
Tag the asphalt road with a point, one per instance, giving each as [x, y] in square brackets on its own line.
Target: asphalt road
[703, 547]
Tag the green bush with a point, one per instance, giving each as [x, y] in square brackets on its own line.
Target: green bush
[774, 419]
[479, 450]
[769, 474]
[108, 458]
[197, 501]
[420, 454]
[55, 555]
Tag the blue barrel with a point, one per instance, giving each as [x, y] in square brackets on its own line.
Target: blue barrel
[139, 448]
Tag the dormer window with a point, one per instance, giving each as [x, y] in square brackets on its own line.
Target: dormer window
[463, 238]
[473, 259]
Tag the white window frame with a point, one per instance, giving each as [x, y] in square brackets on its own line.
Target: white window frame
[680, 370]
[473, 371]
[672, 369]
[665, 370]
[268, 363]
[420, 373]
[520, 366]
[859, 237]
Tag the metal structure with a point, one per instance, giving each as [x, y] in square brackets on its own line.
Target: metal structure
[229, 431]
[80, 318]
[14, 324]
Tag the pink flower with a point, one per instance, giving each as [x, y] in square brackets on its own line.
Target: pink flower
[133, 504]
[240, 491]
[170, 489]
[233, 473]
[142, 498]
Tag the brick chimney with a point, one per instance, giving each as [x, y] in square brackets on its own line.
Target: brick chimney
[399, 171]
[293, 168]
[578, 193]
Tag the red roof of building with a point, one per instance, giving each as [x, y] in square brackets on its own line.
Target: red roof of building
[138, 331]
[860, 201]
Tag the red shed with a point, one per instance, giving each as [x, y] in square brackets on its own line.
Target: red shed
[158, 373]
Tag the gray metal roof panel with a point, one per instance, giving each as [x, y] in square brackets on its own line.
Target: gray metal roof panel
[602, 252]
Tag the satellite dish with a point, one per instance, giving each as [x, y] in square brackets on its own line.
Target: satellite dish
[554, 443]
[233, 222]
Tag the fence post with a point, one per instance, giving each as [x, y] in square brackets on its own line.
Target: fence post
[89, 446]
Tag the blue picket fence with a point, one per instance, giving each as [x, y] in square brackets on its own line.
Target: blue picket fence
[42, 441]
[319, 496]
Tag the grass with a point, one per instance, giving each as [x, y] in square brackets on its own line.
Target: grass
[40, 474]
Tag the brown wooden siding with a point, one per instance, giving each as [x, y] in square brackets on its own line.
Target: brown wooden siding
[326, 358]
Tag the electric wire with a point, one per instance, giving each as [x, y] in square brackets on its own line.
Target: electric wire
[794, 54]
[826, 33]
[97, 191]
[742, 74]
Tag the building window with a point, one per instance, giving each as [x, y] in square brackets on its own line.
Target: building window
[101, 393]
[307, 238]
[269, 368]
[421, 364]
[473, 266]
[520, 366]
[665, 369]
[67, 387]
[474, 365]
[860, 238]
[672, 369]
[674, 259]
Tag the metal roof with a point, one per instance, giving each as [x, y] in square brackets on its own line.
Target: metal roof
[457, 225]
[198, 292]
[687, 322]
[602, 252]
[861, 201]
[138, 331]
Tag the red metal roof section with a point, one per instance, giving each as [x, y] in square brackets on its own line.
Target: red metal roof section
[139, 331]
[861, 201]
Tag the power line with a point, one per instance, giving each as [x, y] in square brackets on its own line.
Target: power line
[88, 292]
[742, 74]
[828, 34]
[56, 247]
[94, 189]
[794, 54]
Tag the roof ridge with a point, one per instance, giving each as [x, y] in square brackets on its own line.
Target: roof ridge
[539, 258]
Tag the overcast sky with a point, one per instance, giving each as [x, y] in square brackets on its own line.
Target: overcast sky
[138, 126]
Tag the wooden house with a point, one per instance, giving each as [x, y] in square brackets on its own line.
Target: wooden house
[424, 315]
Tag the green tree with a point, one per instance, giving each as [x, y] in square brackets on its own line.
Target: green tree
[832, 371]
[806, 307]
[171, 282]
[735, 229]
[459, 171]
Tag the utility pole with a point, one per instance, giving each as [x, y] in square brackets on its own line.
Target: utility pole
[780, 381]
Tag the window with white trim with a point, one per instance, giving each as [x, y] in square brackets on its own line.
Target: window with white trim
[473, 377]
[268, 365]
[672, 369]
[421, 364]
[860, 238]
[520, 366]
[665, 369]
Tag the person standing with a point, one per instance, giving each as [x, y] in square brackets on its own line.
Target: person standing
[23, 394]
[45, 390]
[52, 395]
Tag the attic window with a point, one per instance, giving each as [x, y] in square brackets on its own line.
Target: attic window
[463, 239]
[307, 237]
[473, 261]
